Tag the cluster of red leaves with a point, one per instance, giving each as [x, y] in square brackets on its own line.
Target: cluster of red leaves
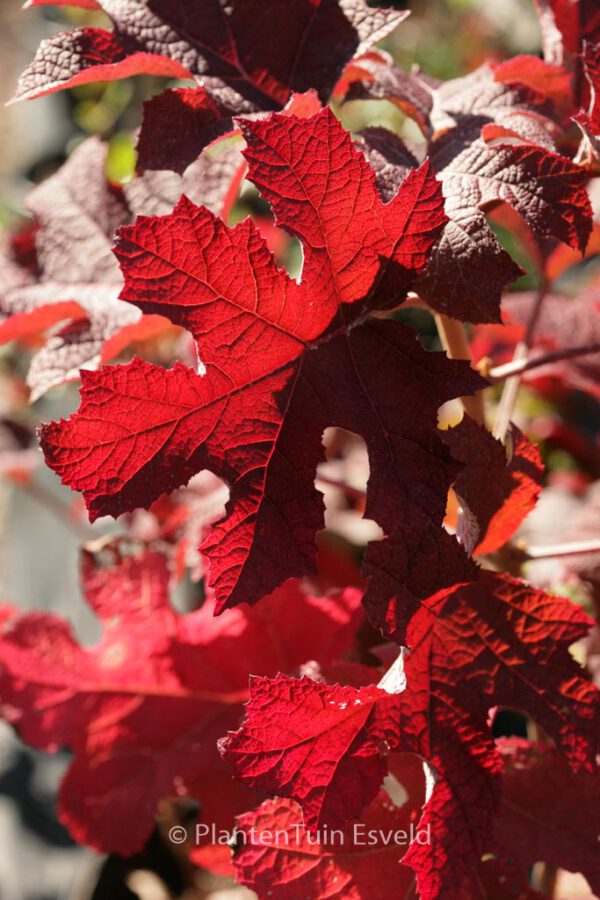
[278, 362]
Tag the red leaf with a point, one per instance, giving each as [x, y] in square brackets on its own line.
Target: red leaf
[550, 80]
[334, 210]
[83, 4]
[489, 639]
[591, 64]
[179, 124]
[143, 708]
[269, 346]
[243, 52]
[495, 493]
[147, 328]
[325, 745]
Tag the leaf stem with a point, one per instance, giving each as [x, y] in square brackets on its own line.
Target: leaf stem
[454, 341]
[518, 366]
[552, 550]
[520, 358]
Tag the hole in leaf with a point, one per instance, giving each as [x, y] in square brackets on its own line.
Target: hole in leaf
[342, 480]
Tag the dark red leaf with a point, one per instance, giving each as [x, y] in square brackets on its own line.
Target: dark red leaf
[475, 641]
[468, 270]
[547, 190]
[493, 643]
[178, 124]
[470, 649]
[379, 79]
[87, 55]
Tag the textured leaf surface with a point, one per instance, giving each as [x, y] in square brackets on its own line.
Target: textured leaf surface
[178, 124]
[282, 379]
[472, 647]
[546, 189]
[143, 708]
[497, 642]
[316, 743]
